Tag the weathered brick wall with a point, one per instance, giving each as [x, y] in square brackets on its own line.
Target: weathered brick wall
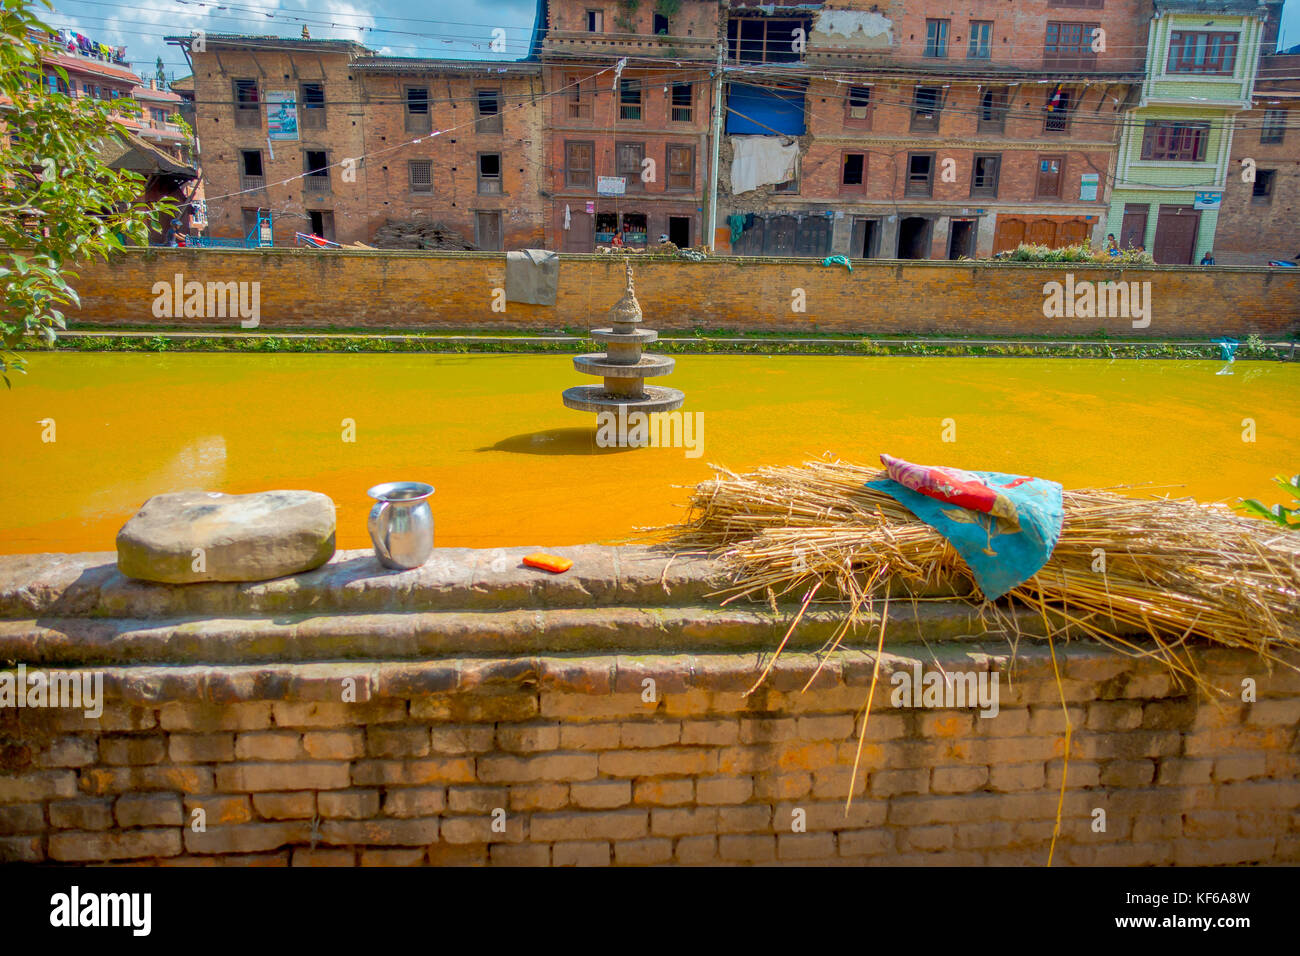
[472, 712]
[575, 768]
[303, 288]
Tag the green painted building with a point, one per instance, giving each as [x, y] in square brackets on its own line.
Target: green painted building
[1174, 149]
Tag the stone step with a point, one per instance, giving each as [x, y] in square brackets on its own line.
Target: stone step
[311, 637]
[89, 585]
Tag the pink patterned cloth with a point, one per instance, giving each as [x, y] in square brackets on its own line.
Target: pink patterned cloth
[951, 485]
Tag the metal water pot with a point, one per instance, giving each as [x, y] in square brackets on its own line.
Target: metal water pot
[401, 524]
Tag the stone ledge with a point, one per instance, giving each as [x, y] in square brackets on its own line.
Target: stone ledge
[1028, 675]
[463, 579]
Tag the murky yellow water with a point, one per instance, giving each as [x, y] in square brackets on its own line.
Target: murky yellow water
[513, 466]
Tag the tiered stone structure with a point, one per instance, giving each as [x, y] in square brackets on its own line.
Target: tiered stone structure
[624, 367]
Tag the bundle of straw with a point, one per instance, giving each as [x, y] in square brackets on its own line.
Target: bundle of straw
[1125, 568]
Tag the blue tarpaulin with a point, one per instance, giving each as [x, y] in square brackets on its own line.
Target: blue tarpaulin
[765, 111]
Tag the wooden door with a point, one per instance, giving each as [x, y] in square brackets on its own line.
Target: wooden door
[781, 233]
[1133, 232]
[488, 229]
[580, 236]
[1176, 229]
[1051, 170]
[1041, 232]
[1010, 233]
[1072, 233]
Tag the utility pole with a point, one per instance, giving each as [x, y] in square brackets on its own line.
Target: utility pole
[717, 142]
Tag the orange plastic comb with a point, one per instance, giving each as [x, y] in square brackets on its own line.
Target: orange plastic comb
[548, 562]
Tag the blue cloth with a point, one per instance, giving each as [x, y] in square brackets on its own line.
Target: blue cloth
[1227, 348]
[1000, 559]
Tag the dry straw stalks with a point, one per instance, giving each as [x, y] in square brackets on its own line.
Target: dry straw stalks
[1147, 576]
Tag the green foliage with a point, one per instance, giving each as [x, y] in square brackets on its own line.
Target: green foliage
[624, 18]
[1080, 252]
[1283, 517]
[60, 203]
[668, 8]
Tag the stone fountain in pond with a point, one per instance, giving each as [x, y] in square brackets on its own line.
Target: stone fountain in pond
[624, 368]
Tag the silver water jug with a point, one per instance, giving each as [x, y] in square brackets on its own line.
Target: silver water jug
[401, 524]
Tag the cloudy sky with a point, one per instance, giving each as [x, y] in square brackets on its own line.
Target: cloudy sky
[447, 28]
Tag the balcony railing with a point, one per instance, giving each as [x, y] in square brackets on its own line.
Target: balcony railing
[252, 182]
[316, 183]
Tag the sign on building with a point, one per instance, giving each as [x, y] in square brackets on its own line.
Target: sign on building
[281, 115]
[611, 185]
[1207, 200]
[1088, 187]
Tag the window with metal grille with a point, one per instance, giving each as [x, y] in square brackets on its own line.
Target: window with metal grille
[1273, 129]
[1175, 142]
[1069, 46]
[487, 104]
[316, 164]
[578, 97]
[926, 104]
[312, 98]
[627, 162]
[920, 174]
[419, 119]
[984, 175]
[936, 38]
[251, 173]
[857, 107]
[629, 99]
[248, 104]
[420, 172]
[681, 167]
[981, 40]
[853, 172]
[1202, 52]
[682, 105]
[993, 110]
[578, 165]
[489, 173]
[1060, 104]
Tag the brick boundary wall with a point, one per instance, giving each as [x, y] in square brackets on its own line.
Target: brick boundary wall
[574, 761]
[414, 290]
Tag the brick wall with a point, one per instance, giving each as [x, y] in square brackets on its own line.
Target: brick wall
[428, 291]
[1255, 228]
[573, 767]
[347, 716]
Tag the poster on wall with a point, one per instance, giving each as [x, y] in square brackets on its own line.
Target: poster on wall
[1207, 200]
[281, 115]
[1088, 187]
[611, 185]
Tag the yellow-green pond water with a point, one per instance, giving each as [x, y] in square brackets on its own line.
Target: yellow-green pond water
[513, 466]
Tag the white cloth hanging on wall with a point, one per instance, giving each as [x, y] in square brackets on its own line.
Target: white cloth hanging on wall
[762, 161]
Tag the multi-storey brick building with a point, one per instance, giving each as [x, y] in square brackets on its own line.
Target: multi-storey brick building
[335, 141]
[894, 130]
[1173, 157]
[1260, 216]
[628, 146]
[928, 133]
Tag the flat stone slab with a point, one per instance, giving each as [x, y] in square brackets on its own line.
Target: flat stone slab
[595, 398]
[193, 536]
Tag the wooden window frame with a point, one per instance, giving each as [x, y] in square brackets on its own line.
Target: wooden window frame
[1060, 176]
[919, 124]
[668, 166]
[248, 113]
[569, 182]
[985, 191]
[853, 189]
[499, 179]
[411, 178]
[912, 191]
[936, 48]
[859, 122]
[1176, 64]
[313, 115]
[634, 181]
[973, 51]
[1152, 151]
[417, 121]
[1272, 130]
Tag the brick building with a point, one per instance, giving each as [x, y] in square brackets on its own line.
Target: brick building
[1173, 157]
[628, 148]
[1260, 217]
[926, 134]
[868, 129]
[338, 142]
